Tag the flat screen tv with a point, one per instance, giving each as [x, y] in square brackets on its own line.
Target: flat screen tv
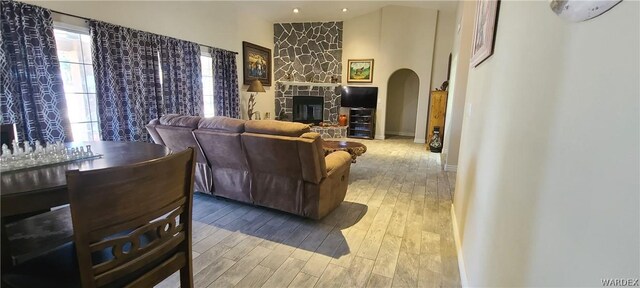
[359, 97]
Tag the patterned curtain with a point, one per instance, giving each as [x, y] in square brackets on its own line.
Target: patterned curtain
[126, 68]
[32, 90]
[181, 77]
[225, 87]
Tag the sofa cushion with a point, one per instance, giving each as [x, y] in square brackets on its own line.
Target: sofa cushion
[274, 127]
[180, 120]
[222, 124]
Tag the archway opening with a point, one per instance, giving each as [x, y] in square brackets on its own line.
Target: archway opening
[402, 103]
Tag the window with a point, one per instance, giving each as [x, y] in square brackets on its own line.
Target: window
[74, 53]
[207, 85]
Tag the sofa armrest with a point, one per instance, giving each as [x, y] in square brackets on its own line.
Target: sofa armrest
[336, 160]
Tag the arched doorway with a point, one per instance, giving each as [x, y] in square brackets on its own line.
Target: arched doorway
[402, 103]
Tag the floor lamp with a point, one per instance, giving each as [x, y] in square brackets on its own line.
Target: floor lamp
[255, 86]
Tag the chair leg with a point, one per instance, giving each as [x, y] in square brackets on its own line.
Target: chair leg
[186, 275]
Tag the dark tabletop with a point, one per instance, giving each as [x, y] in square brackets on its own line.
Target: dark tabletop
[342, 144]
[40, 188]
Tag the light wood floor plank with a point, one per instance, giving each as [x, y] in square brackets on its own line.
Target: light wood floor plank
[359, 272]
[399, 217]
[211, 272]
[388, 257]
[303, 280]
[234, 274]
[256, 277]
[285, 274]
[347, 249]
[312, 242]
[208, 257]
[323, 255]
[332, 277]
[406, 274]
[377, 281]
[373, 240]
[412, 237]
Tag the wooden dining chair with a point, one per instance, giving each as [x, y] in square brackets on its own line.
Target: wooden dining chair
[141, 215]
[131, 228]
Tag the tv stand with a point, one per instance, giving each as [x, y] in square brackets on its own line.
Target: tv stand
[362, 123]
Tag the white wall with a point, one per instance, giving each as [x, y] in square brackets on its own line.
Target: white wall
[547, 187]
[445, 34]
[399, 37]
[217, 24]
[458, 83]
[402, 100]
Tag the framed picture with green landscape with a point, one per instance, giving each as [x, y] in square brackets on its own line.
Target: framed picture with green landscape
[360, 71]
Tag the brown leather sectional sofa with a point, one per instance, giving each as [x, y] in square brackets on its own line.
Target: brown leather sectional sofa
[275, 164]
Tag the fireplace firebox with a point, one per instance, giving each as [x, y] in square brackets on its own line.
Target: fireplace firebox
[308, 109]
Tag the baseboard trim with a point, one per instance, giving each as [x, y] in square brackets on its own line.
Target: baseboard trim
[420, 141]
[398, 133]
[456, 236]
[449, 167]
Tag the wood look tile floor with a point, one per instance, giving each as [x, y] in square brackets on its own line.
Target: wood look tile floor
[392, 230]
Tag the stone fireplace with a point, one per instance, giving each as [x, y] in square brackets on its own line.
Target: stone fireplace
[307, 52]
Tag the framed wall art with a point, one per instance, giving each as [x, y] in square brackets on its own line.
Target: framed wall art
[256, 63]
[360, 71]
[484, 30]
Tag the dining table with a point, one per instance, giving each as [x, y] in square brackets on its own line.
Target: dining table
[41, 188]
[34, 190]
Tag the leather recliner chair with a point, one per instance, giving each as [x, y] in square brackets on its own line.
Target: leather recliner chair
[289, 171]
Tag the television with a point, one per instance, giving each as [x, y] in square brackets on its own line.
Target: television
[359, 97]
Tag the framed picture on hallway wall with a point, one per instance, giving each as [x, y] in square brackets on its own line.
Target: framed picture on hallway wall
[256, 63]
[484, 30]
[360, 71]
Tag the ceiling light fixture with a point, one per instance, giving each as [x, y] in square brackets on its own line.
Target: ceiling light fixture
[295, 10]
[345, 9]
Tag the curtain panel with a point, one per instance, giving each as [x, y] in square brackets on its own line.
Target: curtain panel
[225, 88]
[181, 77]
[126, 68]
[32, 90]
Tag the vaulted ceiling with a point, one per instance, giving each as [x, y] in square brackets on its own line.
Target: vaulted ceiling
[282, 11]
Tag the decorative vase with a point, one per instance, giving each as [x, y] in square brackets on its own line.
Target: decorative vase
[435, 144]
[342, 120]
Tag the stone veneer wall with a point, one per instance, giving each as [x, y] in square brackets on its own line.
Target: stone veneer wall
[330, 132]
[307, 52]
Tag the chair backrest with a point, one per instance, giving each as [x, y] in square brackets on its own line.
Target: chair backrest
[176, 133]
[219, 138]
[284, 148]
[282, 157]
[139, 216]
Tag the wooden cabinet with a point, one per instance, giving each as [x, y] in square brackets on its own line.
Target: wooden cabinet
[362, 123]
[437, 113]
